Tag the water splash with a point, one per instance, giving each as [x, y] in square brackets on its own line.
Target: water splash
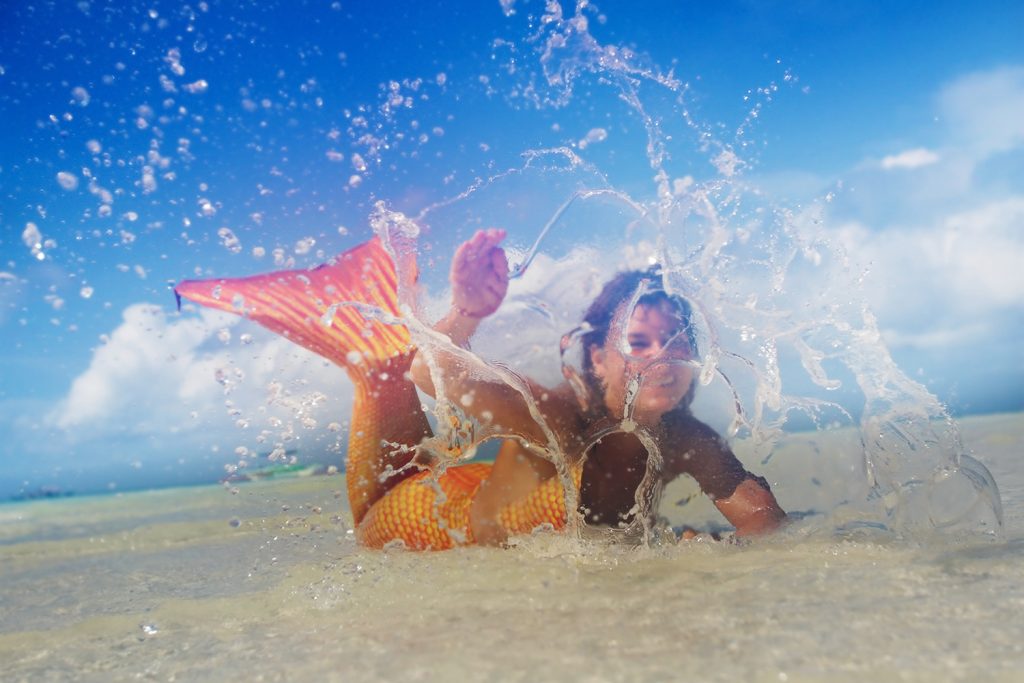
[785, 336]
[615, 170]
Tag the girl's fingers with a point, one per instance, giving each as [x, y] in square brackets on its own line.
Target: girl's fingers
[499, 262]
[481, 251]
[488, 239]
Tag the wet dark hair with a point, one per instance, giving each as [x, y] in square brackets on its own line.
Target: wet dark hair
[617, 292]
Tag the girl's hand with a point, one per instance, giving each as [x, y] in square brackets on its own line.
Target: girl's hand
[479, 274]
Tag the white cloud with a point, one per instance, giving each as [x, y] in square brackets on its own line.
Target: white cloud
[964, 336]
[985, 110]
[195, 378]
[932, 282]
[944, 250]
[911, 158]
[985, 248]
[982, 116]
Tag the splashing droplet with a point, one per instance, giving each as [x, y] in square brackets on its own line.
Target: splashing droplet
[196, 87]
[81, 96]
[33, 239]
[68, 181]
[229, 240]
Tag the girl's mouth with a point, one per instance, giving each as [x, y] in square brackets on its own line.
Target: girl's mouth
[660, 382]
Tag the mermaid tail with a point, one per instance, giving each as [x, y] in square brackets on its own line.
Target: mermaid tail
[391, 498]
[308, 306]
[313, 309]
[425, 513]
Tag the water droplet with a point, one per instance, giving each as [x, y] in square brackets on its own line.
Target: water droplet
[229, 240]
[200, 44]
[196, 87]
[68, 181]
[327, 319]
[594, 135]
[173, 60]
[31, 236]
[148, 181]
[86, 292]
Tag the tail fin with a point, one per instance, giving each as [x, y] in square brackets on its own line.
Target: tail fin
[310, 306]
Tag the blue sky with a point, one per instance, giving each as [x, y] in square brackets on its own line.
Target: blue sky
[160, 141]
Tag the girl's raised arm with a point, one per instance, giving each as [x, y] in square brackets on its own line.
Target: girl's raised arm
[479, 280]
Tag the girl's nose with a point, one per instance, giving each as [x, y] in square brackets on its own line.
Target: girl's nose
[653, 350]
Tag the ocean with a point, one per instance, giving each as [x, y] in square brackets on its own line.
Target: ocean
[268, 584]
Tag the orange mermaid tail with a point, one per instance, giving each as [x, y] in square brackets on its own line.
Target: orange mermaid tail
[433, 514]
[391, 498]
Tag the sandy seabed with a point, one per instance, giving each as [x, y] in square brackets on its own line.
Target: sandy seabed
[267, 584]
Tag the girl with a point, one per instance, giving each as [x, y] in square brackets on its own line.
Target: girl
[659, 346]
[619, 433]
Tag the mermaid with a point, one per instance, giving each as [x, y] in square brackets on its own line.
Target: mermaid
[631, 398]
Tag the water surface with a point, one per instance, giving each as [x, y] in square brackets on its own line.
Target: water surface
[268, 584]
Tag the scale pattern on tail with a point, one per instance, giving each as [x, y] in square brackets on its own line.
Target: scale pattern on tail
[309, 306]
[413, 513]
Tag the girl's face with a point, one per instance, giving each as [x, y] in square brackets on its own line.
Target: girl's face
[656, 347]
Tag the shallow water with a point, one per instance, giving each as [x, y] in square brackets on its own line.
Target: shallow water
[267, 584]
